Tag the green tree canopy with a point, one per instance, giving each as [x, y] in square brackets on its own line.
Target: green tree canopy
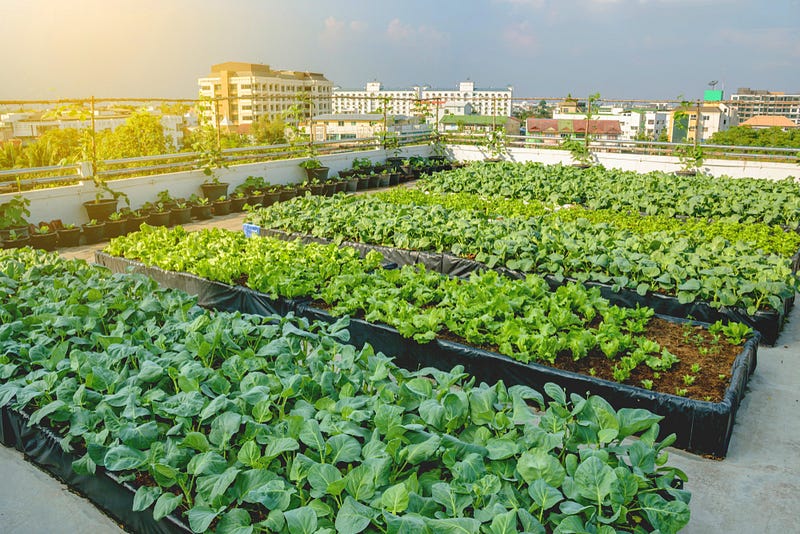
[747, 136]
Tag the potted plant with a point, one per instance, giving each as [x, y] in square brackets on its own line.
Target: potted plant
[13, 239]
[271, 196]
[316, 186]
[44, 237]
[102, 206]
[351, 182]
[210, 160]
[496, 144]
[383, 179]
[181, 213]
[201, 207]
[115, 225]
[362, 166]
[314, 169]
[166, 199]
[238, 200]
[69, 236]
[136, 219]
[287, 192]
[691, 158]
[12, 217]
[159, 215]
[222, 206]
[391, 143]
[93, 231]
[579, 150]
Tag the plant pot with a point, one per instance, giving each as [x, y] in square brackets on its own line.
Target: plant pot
[581, 165]
[352, 185]
[133, 224]
[115, 228]
[100, 210]
[347, 173]
[341, 186]
[374, 179]
[158, 218]
[287, 194]
[271, 198]
[21, 231]
[222, 207]
[437, 159]
[330, 189]
[212, 191]
[202, 213]
[94, 233]
[383, 180]
[19, 242]
[320, 173]
[69, 237]
[317, 189]
[394, 162]
[181, 215]
[256, 200]
[394, 178]
[48, 241]
[363, 183]
[685, 172]
[237, 204]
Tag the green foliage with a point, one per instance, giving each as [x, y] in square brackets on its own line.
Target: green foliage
[714, 270]
[266, 131]
[522, 318]
[578, 150]
[14, 211]
[131, 389]
[141, 135]
[766, 137]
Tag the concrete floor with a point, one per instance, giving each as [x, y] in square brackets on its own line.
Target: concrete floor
[754, 490]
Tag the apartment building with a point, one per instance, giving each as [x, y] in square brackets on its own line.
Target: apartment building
[423, 99]
[635, 123]
[686, 124]
[345, 126]
[752, 102]
[246, 91]
[553, 131]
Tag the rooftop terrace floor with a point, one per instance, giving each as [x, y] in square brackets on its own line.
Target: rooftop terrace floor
[754, 489]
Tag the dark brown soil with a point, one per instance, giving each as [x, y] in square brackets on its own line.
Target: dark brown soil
[691, 344]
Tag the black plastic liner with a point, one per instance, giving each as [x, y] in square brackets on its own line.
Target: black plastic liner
[209, 294]
[41, 446]
[701, 427]
[767, 323]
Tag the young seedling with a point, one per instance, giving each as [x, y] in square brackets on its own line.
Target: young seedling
[681, 392]
[689, 379]
[696, 368]
[647, 384]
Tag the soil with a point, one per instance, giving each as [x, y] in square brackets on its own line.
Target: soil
[690, 343]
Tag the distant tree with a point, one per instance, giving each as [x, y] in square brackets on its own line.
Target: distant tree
[266, 131]
[141, 135]
[543, 111]
[747, 136]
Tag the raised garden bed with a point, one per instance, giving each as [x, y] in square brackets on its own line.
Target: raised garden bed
[274, 424]
[717, 417]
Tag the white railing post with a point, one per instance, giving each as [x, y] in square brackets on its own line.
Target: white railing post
[85, 169]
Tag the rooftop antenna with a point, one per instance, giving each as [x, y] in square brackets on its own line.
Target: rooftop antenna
[713, 84]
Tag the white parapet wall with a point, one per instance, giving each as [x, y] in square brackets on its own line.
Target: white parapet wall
[66, 203]
[639, 162]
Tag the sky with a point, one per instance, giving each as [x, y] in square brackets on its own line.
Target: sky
[622, 49]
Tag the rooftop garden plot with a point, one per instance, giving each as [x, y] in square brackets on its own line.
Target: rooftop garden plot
[573, 328]
[241, 424]
[743, 200]
[688, 265]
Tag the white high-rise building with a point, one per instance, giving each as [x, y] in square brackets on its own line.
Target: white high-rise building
[464, 100]
[752, 102]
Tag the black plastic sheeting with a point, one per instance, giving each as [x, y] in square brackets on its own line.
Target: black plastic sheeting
[701, 427]
[767, 323]
[41, 446]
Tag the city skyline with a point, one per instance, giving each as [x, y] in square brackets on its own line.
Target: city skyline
[654, 49]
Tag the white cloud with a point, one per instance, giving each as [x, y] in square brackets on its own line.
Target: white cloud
[336, 30]
[405, 34]
[520, 37]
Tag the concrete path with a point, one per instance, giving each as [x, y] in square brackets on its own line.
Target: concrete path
[754, 490]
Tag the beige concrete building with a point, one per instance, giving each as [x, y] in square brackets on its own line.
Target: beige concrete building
[247, 91]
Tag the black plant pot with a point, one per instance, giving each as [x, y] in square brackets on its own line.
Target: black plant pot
[222, 207]
[99, 210]
[271, 198]
[374, 180]
[214, 191]
[17, 243]
[94, 233]
[352, 184]
[115, 228]
[287, 194]
[133, 224]
[20, 231]
[47, 241]
[69, 237]
[341, 186]
[181, 215]
[317, 189]
[320, 173]
[330, 189]
[158, 218]
[394, 178]
[237, 204]
[202, 213]
[363, 183]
